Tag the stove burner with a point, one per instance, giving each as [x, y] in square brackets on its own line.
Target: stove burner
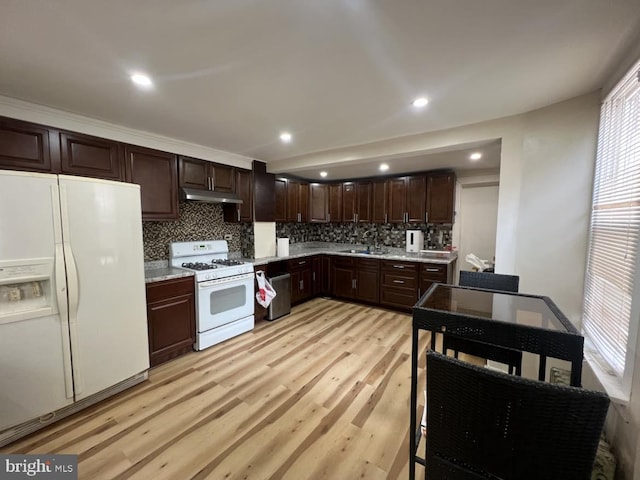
[197, 266]
[227, 262]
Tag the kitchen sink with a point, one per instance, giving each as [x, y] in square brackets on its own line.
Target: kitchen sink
[365, 252]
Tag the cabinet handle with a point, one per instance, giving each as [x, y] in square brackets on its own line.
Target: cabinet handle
[398, 281]
[353, 283]
[385, 218]
[354, 217]
[301, 284]
[302, 262]
[432, 269]
[426, 217]
[238, 213]
[398, 266]
[328, 217]
[314, 276]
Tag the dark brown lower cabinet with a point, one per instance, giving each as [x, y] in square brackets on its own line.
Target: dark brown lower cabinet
[170, 318]
[435, 273]
[301, 273]
[399, 286]
[355, 278]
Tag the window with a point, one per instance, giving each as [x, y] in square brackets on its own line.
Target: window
[611, 304]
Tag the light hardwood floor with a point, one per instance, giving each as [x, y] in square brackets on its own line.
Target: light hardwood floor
[320, 393]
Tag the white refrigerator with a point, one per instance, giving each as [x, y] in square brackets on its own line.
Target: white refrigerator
[72, 296]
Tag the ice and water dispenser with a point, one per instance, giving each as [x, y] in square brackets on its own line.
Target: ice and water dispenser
[26, 290]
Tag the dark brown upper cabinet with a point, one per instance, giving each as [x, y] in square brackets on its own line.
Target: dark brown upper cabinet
[204, 175]
[363, 202]
[335, 202]
[25, 146]
[89, 156]
[157, 174]
[379, 201]
[407, 199]
[356, 201]
[319, 202]
[241, 212]
[349, 202]
[297, 201]
[280, 213]
[441, 188]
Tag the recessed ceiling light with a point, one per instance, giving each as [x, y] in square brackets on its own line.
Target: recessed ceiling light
[285, 137]
[141, 80]
[475, 156]
[323, 174]
[384, 167]
[420, 102]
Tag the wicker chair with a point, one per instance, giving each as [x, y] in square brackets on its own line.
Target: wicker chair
[487, 424]
[508, 356]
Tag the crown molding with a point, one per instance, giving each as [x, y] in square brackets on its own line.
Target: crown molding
[31, 112]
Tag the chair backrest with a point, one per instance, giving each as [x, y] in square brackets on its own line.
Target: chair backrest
[492, 281]
[492, 425]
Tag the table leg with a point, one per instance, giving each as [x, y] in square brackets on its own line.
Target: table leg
[414, 399]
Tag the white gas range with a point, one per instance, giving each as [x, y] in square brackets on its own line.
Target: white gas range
[224, 290]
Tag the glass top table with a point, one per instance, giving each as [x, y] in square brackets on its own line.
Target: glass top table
[528, 323]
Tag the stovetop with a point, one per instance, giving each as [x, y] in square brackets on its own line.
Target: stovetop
[209, 260]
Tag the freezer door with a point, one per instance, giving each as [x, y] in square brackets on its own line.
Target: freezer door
[102, 238]
[35, 362]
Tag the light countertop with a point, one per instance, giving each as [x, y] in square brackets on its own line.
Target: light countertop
[297, 250]
[159, 270]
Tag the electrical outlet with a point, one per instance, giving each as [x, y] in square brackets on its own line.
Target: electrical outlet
[228, 236]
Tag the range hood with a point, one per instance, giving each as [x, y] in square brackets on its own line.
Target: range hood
[208, 196]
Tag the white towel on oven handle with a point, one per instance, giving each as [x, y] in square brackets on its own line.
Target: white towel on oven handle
[265, 292]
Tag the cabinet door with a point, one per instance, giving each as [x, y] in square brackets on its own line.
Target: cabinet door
[319, 202]
[171, 325]
[397, 200]
[440, 197]
[280, 213]
[335, 202]
[157, 174]
[348, 202]
[194, 173]
[293, 200]
[223, 178]
[170, 318]
[91, 156]
[303, 202]
[244, 182]
[342, 281]
[363, 199]
[241, 212]
[367, 285]
[379, 201]
[24, 146]
[416, 187]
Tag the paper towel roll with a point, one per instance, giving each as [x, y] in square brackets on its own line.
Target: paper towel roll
[283, 247]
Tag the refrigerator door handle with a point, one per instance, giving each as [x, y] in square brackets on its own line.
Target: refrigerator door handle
[61, 291]
[73, 291]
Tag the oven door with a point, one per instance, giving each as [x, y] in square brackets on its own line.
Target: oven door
[224, 300]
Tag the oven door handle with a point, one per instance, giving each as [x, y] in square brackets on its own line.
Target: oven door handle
[225, 280]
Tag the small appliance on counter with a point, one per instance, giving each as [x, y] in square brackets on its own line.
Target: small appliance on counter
[415, 240]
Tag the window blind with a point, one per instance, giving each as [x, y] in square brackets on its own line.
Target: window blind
[615, 224]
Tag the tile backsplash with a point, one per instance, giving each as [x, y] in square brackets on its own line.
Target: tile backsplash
[388, 234]
[204, 221]
[198, 221]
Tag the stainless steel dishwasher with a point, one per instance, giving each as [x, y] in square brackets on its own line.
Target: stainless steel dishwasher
[281, 303]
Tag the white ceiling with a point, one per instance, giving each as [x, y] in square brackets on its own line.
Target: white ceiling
[232, 74]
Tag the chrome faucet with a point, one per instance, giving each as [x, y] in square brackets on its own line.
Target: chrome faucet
[364, 237]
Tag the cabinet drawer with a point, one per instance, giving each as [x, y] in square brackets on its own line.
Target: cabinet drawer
[435, 271]
[400, 279]
[404, 298]
[174, 287]
[407, 268]
[299, 263]
[340, 261]
[368, 263]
